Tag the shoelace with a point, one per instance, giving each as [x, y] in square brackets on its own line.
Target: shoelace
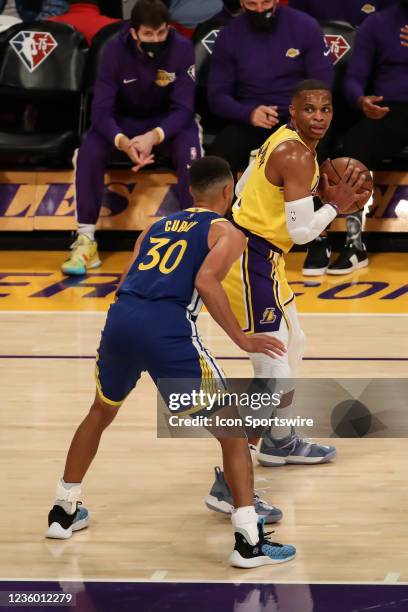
[266, 540]
[258, 500]
[297, 440]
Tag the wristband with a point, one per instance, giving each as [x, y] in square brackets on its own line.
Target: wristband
[336, 208]
[117, 139]
[160, 133]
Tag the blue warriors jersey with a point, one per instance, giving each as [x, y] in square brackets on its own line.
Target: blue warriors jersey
[170, 256]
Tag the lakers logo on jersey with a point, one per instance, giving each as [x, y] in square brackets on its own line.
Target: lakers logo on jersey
[164, 78]
[292, 53]
[269, 316]
[368, 9]
[262, 151]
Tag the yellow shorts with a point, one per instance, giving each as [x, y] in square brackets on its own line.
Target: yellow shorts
[257, 288]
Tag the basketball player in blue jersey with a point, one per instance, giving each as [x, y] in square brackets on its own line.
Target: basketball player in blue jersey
[275, 210]
[151, 327]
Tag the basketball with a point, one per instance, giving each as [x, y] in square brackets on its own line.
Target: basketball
[335, 169]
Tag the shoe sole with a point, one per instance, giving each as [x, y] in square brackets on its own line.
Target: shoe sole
[216, 505]
[314, 271]
[56, 532]
[267, 461]
[358, 266]
[226, 509]
[237, 561]
[74, 272]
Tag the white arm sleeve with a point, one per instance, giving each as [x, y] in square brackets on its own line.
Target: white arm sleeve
[304, 225]
[243, 180]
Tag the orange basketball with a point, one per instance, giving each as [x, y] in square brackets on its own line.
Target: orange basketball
[335, 168]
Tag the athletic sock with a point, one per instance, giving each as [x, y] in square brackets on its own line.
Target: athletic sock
[354, 224]
[245, 520]
[67, 495]
[283, 412]
[87, 229]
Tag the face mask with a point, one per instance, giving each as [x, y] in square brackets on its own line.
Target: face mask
[233, 6]
[262, 21]
[153, 49]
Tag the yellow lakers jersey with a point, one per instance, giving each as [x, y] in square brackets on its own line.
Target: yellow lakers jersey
[261, 206]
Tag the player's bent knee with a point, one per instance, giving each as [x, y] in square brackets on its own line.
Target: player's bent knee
[103, 410]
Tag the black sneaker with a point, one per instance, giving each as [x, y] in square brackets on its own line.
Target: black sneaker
[350, 259]
[317, 258]
[61, 524]
[264, 552]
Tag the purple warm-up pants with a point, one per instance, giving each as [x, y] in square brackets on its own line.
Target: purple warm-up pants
[95, 150]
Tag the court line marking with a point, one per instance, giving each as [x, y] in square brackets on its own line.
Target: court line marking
[198, 581]
[392, 359]
[392, 577]
[207, 314]
[159, 575]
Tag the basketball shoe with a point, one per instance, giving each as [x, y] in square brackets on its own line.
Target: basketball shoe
[264, 552]
[220, 500]
[84, 256]
[351, 258]
[318, 257]
[293, 449]
[61, 525]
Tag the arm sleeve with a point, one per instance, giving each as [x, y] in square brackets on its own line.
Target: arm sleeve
[361, 63]
[317, 65]
[106, 89]
[222, 80]
[303, 223]
[181, 111]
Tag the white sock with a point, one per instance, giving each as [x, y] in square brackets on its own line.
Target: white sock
[88, 230]
[67, 495]
[278, 432]
[245, 520]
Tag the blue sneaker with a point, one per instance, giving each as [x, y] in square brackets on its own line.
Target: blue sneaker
[61, 525]
[264, 552]
[220, 500]
[293, 449]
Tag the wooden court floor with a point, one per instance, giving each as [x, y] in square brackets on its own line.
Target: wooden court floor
[145, 495]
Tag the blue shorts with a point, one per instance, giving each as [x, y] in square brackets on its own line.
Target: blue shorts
[158, 337]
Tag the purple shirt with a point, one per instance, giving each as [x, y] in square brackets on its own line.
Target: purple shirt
[379, 58]
[352, 11]
[249, 68]
[131, 84]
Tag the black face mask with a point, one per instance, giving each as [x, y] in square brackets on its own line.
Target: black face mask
[262, 21]
[153, 49]
[233, 6]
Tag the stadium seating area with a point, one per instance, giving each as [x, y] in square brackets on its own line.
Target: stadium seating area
[47, 76]
[46, 97]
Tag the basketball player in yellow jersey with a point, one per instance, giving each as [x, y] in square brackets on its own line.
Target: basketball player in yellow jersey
[275, 209]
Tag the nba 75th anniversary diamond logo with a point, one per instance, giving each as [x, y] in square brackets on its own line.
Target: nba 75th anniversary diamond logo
[33, 47]
[337, 46]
